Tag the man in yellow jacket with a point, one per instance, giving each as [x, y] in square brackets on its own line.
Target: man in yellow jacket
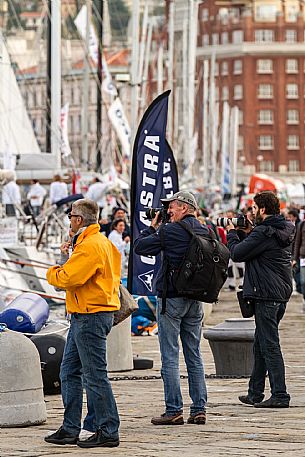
[91, 278]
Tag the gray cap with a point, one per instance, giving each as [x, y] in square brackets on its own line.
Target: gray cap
[182, 196]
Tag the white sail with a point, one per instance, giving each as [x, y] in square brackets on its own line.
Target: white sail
[16, 132]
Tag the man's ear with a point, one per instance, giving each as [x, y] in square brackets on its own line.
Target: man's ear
[263, 210]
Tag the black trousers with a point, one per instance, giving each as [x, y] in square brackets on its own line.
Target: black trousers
[267, 352]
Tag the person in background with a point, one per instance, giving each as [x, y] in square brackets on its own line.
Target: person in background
[118, 213]
[299, 258]
[116, 237]
[36, 195]
[58, 189]
[96, 192]
[293, 216]
[11, 195]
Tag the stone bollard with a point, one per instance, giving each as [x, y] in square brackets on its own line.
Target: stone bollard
[231, 343]
[119, 350]
[21, 395]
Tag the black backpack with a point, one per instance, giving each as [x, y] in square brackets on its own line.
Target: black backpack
[203, 270]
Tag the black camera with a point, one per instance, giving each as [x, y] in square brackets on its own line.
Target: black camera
[238, 222]
[150, 214]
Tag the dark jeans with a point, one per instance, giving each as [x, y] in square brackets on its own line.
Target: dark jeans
[84, 362]
[267, 352]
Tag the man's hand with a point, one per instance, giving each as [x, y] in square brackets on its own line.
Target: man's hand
[155, 223]
[293, 263]
[64, 248]
[230, 226]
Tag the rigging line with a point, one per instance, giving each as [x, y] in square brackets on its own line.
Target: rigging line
[25, 273]
[24, 258]
[25, 264]
[37, 292]
[15, 14]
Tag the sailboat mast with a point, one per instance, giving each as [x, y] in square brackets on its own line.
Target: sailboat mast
[85, 157]
[56, 81]
[99, 15]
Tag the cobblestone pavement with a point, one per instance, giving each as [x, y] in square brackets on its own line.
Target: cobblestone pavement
[232, 429]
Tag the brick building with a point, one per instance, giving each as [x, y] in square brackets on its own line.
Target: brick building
[260, 67]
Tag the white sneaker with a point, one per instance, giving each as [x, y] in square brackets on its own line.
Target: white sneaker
[85, 434]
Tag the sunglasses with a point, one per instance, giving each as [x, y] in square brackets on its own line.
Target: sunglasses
[73, 215]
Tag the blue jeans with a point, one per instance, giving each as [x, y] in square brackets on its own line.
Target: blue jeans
[183, 317]
[267, 352]
[84, 363]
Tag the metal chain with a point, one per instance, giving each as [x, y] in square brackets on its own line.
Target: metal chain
[152, 377]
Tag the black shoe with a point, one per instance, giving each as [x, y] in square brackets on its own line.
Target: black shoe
[272, 403]
[246, 400]
[61, 436]
[99, 440]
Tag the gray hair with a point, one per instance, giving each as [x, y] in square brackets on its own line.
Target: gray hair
[190, 208]
[88, 209]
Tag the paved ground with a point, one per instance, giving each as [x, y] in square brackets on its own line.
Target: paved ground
[232, 429]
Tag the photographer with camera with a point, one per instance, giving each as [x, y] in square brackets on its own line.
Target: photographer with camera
[182, 316]
[266, 252]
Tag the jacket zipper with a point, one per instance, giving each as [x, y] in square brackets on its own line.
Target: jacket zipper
[76, 298]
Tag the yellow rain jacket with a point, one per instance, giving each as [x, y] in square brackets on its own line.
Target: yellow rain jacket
[91, 276]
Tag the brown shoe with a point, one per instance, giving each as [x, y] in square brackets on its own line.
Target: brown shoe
[177, 419]
[198, 418]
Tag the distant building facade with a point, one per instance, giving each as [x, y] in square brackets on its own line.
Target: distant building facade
[260, 67]
[32, 84]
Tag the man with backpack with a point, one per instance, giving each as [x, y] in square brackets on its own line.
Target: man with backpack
[178, 315]
[268, 286]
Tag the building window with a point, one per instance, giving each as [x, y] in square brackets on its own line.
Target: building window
[291, 66]
[238, 67]
[292, 11]
[265, 116]
[266, 12]
[224, 68]
[215, 38]
[266, 165]
[291, 36]
[224, 38]
[292, 116]
[240, 143]
[205, 39]
[237, 36]
[240, 117]
[265, 142]
[291, 91]
[264, 66]
[264, 36]
[205, 14]
[216, 69]
[238, 92]
[265, 91]
[216, 93]
[293, 165]
[225, 93]
[293, 142]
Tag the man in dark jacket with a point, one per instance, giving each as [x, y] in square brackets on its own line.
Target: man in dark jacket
[268, 283]
[182, 316]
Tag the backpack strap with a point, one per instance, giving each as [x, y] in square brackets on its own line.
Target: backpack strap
[165, 272]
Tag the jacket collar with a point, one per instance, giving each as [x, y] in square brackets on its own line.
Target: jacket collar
[90, 230]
